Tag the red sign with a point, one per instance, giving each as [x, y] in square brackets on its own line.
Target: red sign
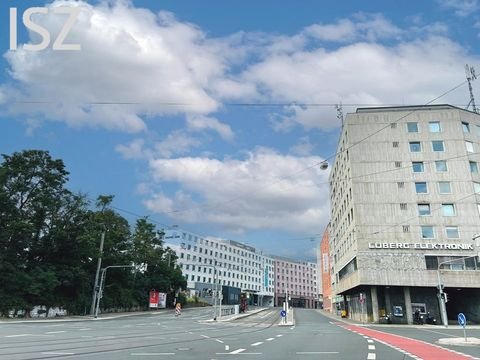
[154, 295]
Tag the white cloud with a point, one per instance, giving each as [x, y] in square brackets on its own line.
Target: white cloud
[128, 55]
[303, 148]
[134, 150]
[176, 143]
[244, 194]
[461, 7]
[200, 122]
[370, 27]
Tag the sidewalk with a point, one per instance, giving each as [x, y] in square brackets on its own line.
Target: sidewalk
[359, 323]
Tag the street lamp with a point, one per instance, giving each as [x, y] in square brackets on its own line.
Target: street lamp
[102, 283]
[441, 293]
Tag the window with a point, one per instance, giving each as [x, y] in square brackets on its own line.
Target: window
[444, 187]
[401, 184]
[452, 232]
[465, 127]
[441, 165]
[418, 166]
[469, 146]
[403, 206]
[473, 167]
[393, 125]
[412, 127]
[415, 146]
[434, 126]
[424, 209]
[431, 262]
[476, 187]
[406, 228]
[448, 210]
[437, 145]
[477, 128]
[421, 187]
[395, 144]
[398, 164]
[427, 232]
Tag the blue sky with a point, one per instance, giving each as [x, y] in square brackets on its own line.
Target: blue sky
[212, 115]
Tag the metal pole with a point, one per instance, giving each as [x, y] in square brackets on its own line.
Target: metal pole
[441, 299]
[100, 290]
[216, 293]
[99, 265]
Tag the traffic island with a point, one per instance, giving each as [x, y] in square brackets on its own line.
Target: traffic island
[289, 320]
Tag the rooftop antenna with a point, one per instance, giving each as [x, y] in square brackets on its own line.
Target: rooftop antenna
[470, 72]
[339, 109]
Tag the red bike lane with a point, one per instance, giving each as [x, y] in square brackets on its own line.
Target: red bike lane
[418, 348]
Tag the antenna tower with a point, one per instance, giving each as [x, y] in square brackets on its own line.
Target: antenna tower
[470, 72]
[339, 109]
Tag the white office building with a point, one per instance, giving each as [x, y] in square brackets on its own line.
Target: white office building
[238, 265]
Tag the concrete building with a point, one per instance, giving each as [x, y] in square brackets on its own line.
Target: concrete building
[297, 279]
[326, 274]
[238, 265]
[405, 205]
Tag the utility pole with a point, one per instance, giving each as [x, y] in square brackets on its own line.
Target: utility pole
[97, 274]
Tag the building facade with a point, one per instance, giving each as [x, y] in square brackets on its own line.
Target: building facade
[297, 279]
[405, 208]
[238, 265]
[326, 274]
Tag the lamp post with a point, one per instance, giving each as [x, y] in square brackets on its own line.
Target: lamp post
[102, 283]
[441, 293]
[97, 273]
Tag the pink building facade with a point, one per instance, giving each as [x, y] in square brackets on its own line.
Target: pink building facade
[299, 280]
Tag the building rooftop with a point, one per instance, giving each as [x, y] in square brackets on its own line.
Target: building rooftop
[411, 108]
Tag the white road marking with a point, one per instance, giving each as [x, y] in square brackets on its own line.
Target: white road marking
[316, 352]
[257, 343]
[370, 341]
[19, 335]
[54, 332]
[238, 351]
[270, 339]
[84, 329]
[227, 347]
[293, 327]
[151, 354]
[371, 347]
[244, 353]
[57, 353]
[205, 336]
[279, 335]
[371, 356]
[220, 341]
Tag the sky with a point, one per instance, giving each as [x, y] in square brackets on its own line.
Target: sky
[214, 115]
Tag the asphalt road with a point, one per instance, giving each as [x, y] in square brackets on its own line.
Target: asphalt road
[192, 336]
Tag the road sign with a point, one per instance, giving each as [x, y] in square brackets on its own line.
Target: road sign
[462, 320]
[283, 313]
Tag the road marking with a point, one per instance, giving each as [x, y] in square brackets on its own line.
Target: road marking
[55, 332]
[183, 349]
[57, 353]
[151, 354]
[238, 351]
[84, 329]
[370, 341]
[257, 343]
[205, 336]
[371, 356]
[293, 327]
[270, 339]
[256, 353]
[279, 335]
[227, 347]
[371, 347]
[220, 341]
[316, 352]
[19, 335]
